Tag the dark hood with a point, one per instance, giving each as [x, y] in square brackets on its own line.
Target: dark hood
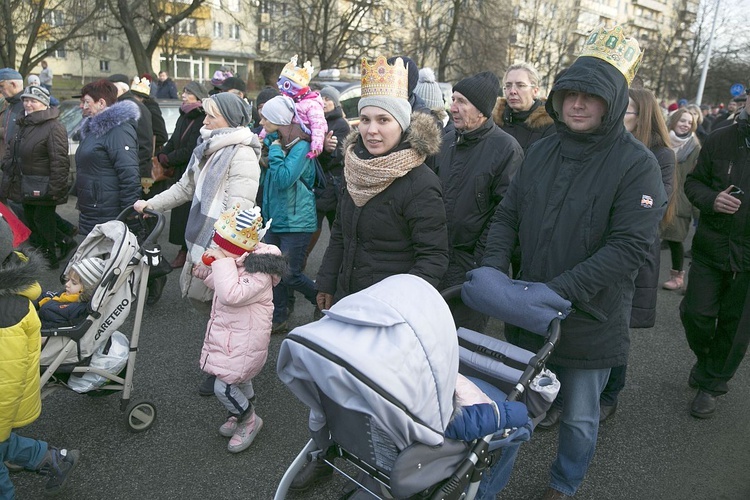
[598, 77]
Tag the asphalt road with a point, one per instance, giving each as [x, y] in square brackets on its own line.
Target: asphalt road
[651, 449]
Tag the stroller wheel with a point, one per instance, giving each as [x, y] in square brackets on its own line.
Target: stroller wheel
[140, 416]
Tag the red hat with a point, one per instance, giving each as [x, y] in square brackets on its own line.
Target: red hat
[673, 107]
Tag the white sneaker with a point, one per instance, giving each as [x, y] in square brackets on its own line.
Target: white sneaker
[227, 428]
[245, 434]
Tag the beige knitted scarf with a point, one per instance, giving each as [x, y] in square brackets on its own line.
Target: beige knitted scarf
[365, 179]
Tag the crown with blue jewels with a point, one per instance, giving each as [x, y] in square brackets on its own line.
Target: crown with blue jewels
[383, 79]
[611, 45]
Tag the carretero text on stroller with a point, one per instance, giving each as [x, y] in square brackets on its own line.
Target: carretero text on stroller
[68, 350]
[379, 373]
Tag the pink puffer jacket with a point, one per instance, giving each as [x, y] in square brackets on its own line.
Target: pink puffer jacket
[239, 330]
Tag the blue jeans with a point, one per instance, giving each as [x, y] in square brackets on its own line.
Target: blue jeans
[579, 425]
[294, 247]
[497, 476]
[20, 451]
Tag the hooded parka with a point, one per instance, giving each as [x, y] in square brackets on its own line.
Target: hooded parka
[585, 209]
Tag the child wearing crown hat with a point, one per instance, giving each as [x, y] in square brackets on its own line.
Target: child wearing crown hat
[242, 271]
[308, 105]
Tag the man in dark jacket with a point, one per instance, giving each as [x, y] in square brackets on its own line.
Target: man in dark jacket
[715, 311]
[143, 126]
[475, 165]
[165, 87]
[585, 208]
[11, 87]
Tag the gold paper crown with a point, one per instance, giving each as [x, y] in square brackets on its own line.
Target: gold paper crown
[241, 228]
[613, 46]
[382, 79]
[300, 76]
[140, 85]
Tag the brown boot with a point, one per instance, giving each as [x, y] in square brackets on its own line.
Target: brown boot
[179, 260]
[676, 280]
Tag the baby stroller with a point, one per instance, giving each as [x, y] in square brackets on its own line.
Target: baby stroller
[68, 350]
[379, 372]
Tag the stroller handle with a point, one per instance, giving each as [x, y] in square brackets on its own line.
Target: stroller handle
[130, 213]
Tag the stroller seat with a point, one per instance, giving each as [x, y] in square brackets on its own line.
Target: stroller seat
[379, 373]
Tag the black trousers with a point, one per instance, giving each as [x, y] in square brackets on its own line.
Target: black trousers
[716, 315]
[42, 222]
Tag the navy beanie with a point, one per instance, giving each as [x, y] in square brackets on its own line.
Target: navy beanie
[481, 90]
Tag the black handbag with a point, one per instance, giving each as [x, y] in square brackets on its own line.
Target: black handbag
[34, 187]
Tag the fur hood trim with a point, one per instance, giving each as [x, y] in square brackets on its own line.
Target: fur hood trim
[267, 263]
[537, 119]
[422, 134]
[19, 273]
[114, 116]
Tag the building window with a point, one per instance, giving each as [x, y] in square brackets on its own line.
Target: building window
[234, 31]
[188, 27]
[218, 30]
[265, 7]
[59, 52]
[265, 34]
[104, 66]
[54, 17]
[102, 36]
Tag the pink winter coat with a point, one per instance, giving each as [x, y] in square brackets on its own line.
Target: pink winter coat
[310, 112]
[235, 347]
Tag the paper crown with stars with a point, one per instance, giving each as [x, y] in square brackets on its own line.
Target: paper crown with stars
[611, 45]
[383, 79]
[300, 76]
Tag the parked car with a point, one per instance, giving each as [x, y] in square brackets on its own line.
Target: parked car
[350, 92]
[71, 118]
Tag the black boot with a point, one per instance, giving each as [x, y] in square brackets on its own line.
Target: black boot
[314, 472]
[66, 245]
[51, 257]
[58, 465]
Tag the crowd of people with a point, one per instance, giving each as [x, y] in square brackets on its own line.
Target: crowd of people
[576, 191]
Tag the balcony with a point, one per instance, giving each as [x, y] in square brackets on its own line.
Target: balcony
[194, 42]
[651, 5]
[202, 12]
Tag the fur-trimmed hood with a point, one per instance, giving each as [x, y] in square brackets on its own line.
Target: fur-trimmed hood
[113, 116]
[538, 119]
[20, 272]
[267, 263]
[422, 135]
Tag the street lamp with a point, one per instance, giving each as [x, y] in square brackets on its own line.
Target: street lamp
[702, 83]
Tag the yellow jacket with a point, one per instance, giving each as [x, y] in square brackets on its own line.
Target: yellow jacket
[20, 400]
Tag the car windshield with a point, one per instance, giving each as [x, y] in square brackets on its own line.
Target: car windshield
[70, 115]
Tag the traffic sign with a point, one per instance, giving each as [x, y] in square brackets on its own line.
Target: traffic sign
[737, 89]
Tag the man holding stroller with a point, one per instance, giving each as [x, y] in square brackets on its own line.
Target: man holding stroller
[584, 208]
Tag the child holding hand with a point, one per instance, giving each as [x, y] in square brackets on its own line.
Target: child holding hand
[242, 271]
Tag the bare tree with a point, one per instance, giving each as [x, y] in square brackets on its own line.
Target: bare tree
[32, 31]
[154, 18]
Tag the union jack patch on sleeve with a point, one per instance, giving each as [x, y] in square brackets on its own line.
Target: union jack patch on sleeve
[647, 201]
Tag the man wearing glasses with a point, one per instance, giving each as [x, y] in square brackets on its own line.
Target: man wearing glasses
[521, 112]
[475, 165]
[716, 309]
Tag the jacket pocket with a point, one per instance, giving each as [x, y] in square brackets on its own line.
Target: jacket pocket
[481, 192]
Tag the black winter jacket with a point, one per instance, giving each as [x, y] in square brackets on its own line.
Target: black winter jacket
[722, 241]
[157, 123]
[332, 163]
[107, 179]
[475, 169]
[40, 148]
[585, 209]
[526, 127]
[179, 148]
[401, 230]
[144, 133]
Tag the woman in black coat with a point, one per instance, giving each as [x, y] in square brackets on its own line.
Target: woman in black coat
[176, 154]
[645, 121]
[107, 177]
[390, 218]
[36, 167]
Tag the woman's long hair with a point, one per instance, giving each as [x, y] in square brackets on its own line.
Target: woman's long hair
[651, 130]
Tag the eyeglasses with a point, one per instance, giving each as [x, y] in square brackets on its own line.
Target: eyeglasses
[518, 86]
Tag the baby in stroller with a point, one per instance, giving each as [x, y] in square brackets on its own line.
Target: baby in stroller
[380, 374]
[70, 307]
